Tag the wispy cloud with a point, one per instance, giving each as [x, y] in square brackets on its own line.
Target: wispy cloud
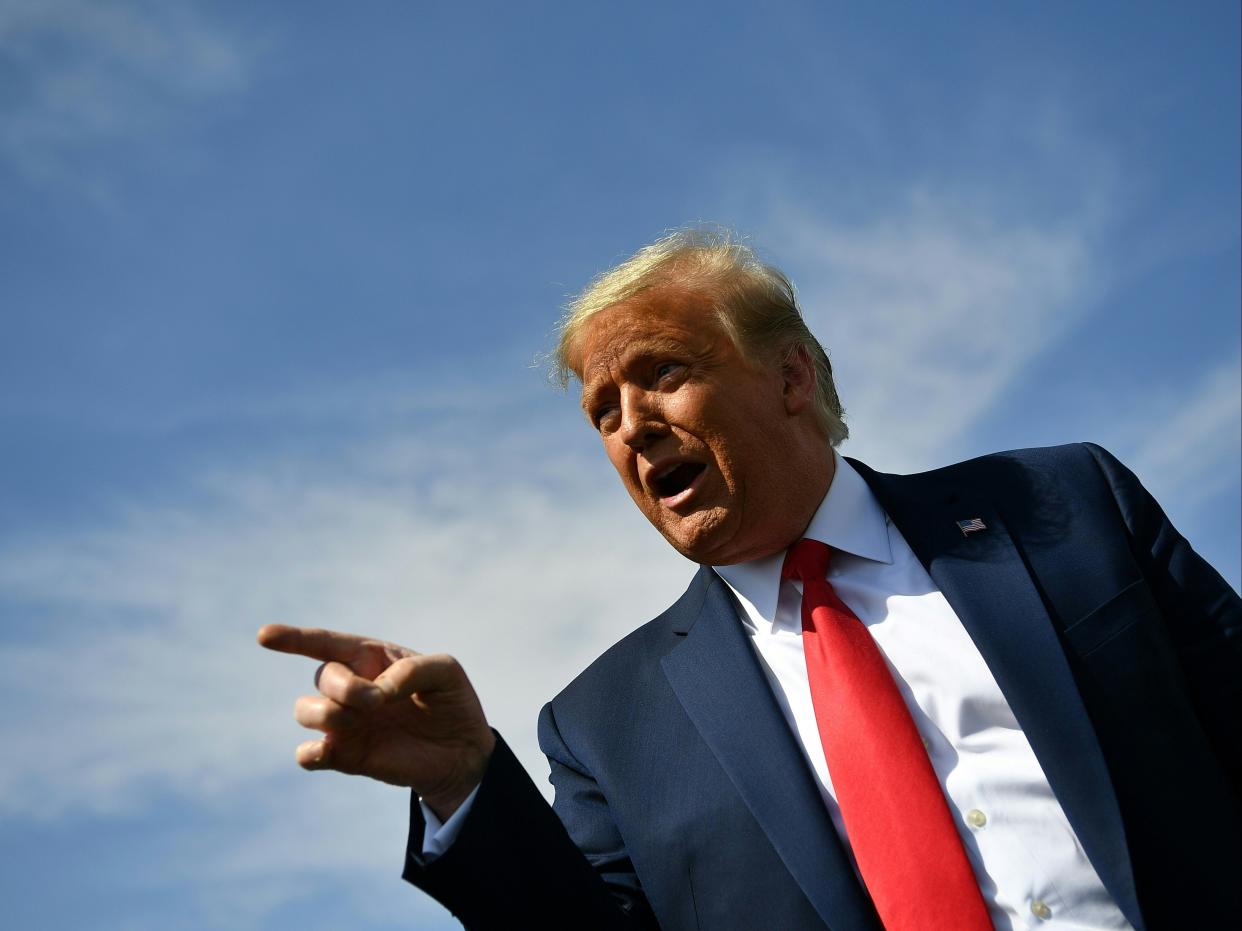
[82, 72]
[303, 834]
[138, 677]
[936, 313]
[931, 311]
[491, 551]
[1186, 442]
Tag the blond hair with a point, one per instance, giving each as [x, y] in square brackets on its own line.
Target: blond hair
[754, 302]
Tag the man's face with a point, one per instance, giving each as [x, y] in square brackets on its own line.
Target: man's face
[703, 440]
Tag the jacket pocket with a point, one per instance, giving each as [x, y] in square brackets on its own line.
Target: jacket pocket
[1110, 619]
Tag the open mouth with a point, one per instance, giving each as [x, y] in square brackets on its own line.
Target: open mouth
[677, 479]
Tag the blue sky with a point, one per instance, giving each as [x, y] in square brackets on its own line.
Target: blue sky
[274, 277]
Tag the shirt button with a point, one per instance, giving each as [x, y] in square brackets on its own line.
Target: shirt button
[977, 819]
[1040, 910]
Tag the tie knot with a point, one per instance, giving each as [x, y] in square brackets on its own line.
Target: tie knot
[807, 559]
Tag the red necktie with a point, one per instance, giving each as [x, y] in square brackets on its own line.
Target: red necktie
[896, 817]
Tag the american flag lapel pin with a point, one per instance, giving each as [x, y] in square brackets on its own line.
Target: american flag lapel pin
[973, 525]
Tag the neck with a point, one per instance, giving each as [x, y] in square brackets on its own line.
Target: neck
[814, 491]
[815, 471]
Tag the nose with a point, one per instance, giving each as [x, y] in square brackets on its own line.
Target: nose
[641, 421]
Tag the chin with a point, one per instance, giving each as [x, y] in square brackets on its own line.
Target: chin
[690, 547]
[705, 544]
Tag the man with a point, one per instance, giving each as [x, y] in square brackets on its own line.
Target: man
[1002, 694]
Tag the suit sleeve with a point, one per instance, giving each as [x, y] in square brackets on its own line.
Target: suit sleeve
[1202, 613]
[514, 864]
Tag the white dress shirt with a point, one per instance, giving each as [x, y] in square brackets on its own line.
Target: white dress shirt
[1030, 865]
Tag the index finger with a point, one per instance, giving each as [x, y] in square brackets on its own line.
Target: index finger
[314, 642]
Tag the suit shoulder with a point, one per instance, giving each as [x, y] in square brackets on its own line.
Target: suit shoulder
[1042, 458]
[1080, 470]
[1084, 466]
[1076, 477]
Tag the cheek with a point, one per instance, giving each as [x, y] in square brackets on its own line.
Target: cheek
[744, 459]
[623, 462]
[687, 408]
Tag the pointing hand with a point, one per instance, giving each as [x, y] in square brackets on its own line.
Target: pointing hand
[389, 713]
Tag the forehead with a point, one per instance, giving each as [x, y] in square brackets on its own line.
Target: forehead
[649, 322]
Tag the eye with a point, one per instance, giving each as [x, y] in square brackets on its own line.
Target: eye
[601, 415]
[666, 370]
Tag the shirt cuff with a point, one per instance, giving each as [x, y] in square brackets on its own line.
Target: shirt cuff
[438, 836]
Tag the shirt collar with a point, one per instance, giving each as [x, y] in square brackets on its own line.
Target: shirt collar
[849, 519]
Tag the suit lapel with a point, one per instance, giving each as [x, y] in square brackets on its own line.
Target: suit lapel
[986, 581]
[718, 680]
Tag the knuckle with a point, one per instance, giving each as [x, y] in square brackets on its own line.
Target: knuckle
[452, 670]
[401, 669]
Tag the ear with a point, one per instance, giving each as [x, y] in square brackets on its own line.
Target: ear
[798, 372]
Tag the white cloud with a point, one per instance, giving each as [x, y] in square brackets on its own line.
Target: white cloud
[934, 313]
[493, 553]
[145, 682]
[84, 72]
[931, 312]
[1186, 442]
[310, 833]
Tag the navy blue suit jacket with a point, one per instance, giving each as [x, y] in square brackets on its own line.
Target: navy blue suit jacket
[684, 802]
